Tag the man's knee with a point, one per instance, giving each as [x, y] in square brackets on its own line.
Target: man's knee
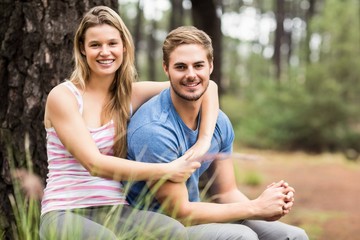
[298, 234]
[221, 231]
[166, 230]
[236, 232]
[291, 233]
[246, 235]
[178, 231]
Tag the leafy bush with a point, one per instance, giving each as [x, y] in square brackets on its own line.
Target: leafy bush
[290, 116]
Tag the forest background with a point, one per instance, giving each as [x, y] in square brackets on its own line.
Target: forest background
[288, 71]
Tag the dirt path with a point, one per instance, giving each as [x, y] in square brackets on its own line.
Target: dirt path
[327, 191]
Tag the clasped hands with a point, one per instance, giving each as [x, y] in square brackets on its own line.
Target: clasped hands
[276, 201]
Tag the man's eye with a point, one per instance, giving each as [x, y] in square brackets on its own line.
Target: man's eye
[180, 67]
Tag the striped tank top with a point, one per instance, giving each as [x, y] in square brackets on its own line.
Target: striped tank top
[69, 185]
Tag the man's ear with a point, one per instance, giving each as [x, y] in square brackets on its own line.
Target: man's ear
[166, 70]
[211, 66]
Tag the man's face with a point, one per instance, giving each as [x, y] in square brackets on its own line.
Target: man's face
[189, 71]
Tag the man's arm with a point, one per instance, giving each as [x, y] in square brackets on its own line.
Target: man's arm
[224, 187]
[174, 199]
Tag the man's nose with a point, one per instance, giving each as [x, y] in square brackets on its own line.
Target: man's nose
[191, 74]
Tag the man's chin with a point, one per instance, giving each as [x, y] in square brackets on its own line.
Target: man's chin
[190, 97]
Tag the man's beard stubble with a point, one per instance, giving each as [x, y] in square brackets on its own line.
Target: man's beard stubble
[187, 97]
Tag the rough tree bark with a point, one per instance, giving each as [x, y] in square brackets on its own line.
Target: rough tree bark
[36, 54]
[205, 17]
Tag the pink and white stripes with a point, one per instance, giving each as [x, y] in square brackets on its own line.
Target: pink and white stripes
[69, 185]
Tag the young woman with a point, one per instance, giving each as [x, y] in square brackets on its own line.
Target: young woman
[86, 122]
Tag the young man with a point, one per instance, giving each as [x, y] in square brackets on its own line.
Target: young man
[167, 125]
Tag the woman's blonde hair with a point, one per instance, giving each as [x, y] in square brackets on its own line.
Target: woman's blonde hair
[118, 107]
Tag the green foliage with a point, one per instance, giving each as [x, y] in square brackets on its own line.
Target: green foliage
[253, 178]
[340, 48]
[315, 106]
[26, 210]
[27, 216]
[289, 116]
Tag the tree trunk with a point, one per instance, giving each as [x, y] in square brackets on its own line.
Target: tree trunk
[36, 54]
[308, 17]
[279, 34]
[205, 17]
[177, 14]
[152, 51]
[137, 31]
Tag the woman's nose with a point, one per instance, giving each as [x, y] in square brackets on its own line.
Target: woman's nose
[104, 51]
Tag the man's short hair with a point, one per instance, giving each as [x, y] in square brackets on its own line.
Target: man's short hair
[186, 35]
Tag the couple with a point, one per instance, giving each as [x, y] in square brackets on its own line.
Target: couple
[90, 138]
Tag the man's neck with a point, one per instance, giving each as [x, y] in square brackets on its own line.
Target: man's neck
[187, 110]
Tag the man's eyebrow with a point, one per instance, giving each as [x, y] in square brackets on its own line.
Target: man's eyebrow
[181, 63]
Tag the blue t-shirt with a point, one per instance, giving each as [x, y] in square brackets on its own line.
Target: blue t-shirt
[157, 134]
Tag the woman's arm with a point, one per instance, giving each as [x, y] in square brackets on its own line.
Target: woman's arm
[62, 114]
[209, 115]
[144, 90]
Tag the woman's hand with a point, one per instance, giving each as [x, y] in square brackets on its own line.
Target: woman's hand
[198, 150]
[181, 168]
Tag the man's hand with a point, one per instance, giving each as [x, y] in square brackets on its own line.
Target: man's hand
[276, 201]
[288, 199]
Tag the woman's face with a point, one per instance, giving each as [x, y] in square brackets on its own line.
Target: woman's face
[103, 48]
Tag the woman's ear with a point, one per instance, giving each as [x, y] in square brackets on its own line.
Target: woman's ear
[82, 49]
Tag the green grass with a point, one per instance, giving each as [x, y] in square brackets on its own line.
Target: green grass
[27, 220]
[27, 211]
